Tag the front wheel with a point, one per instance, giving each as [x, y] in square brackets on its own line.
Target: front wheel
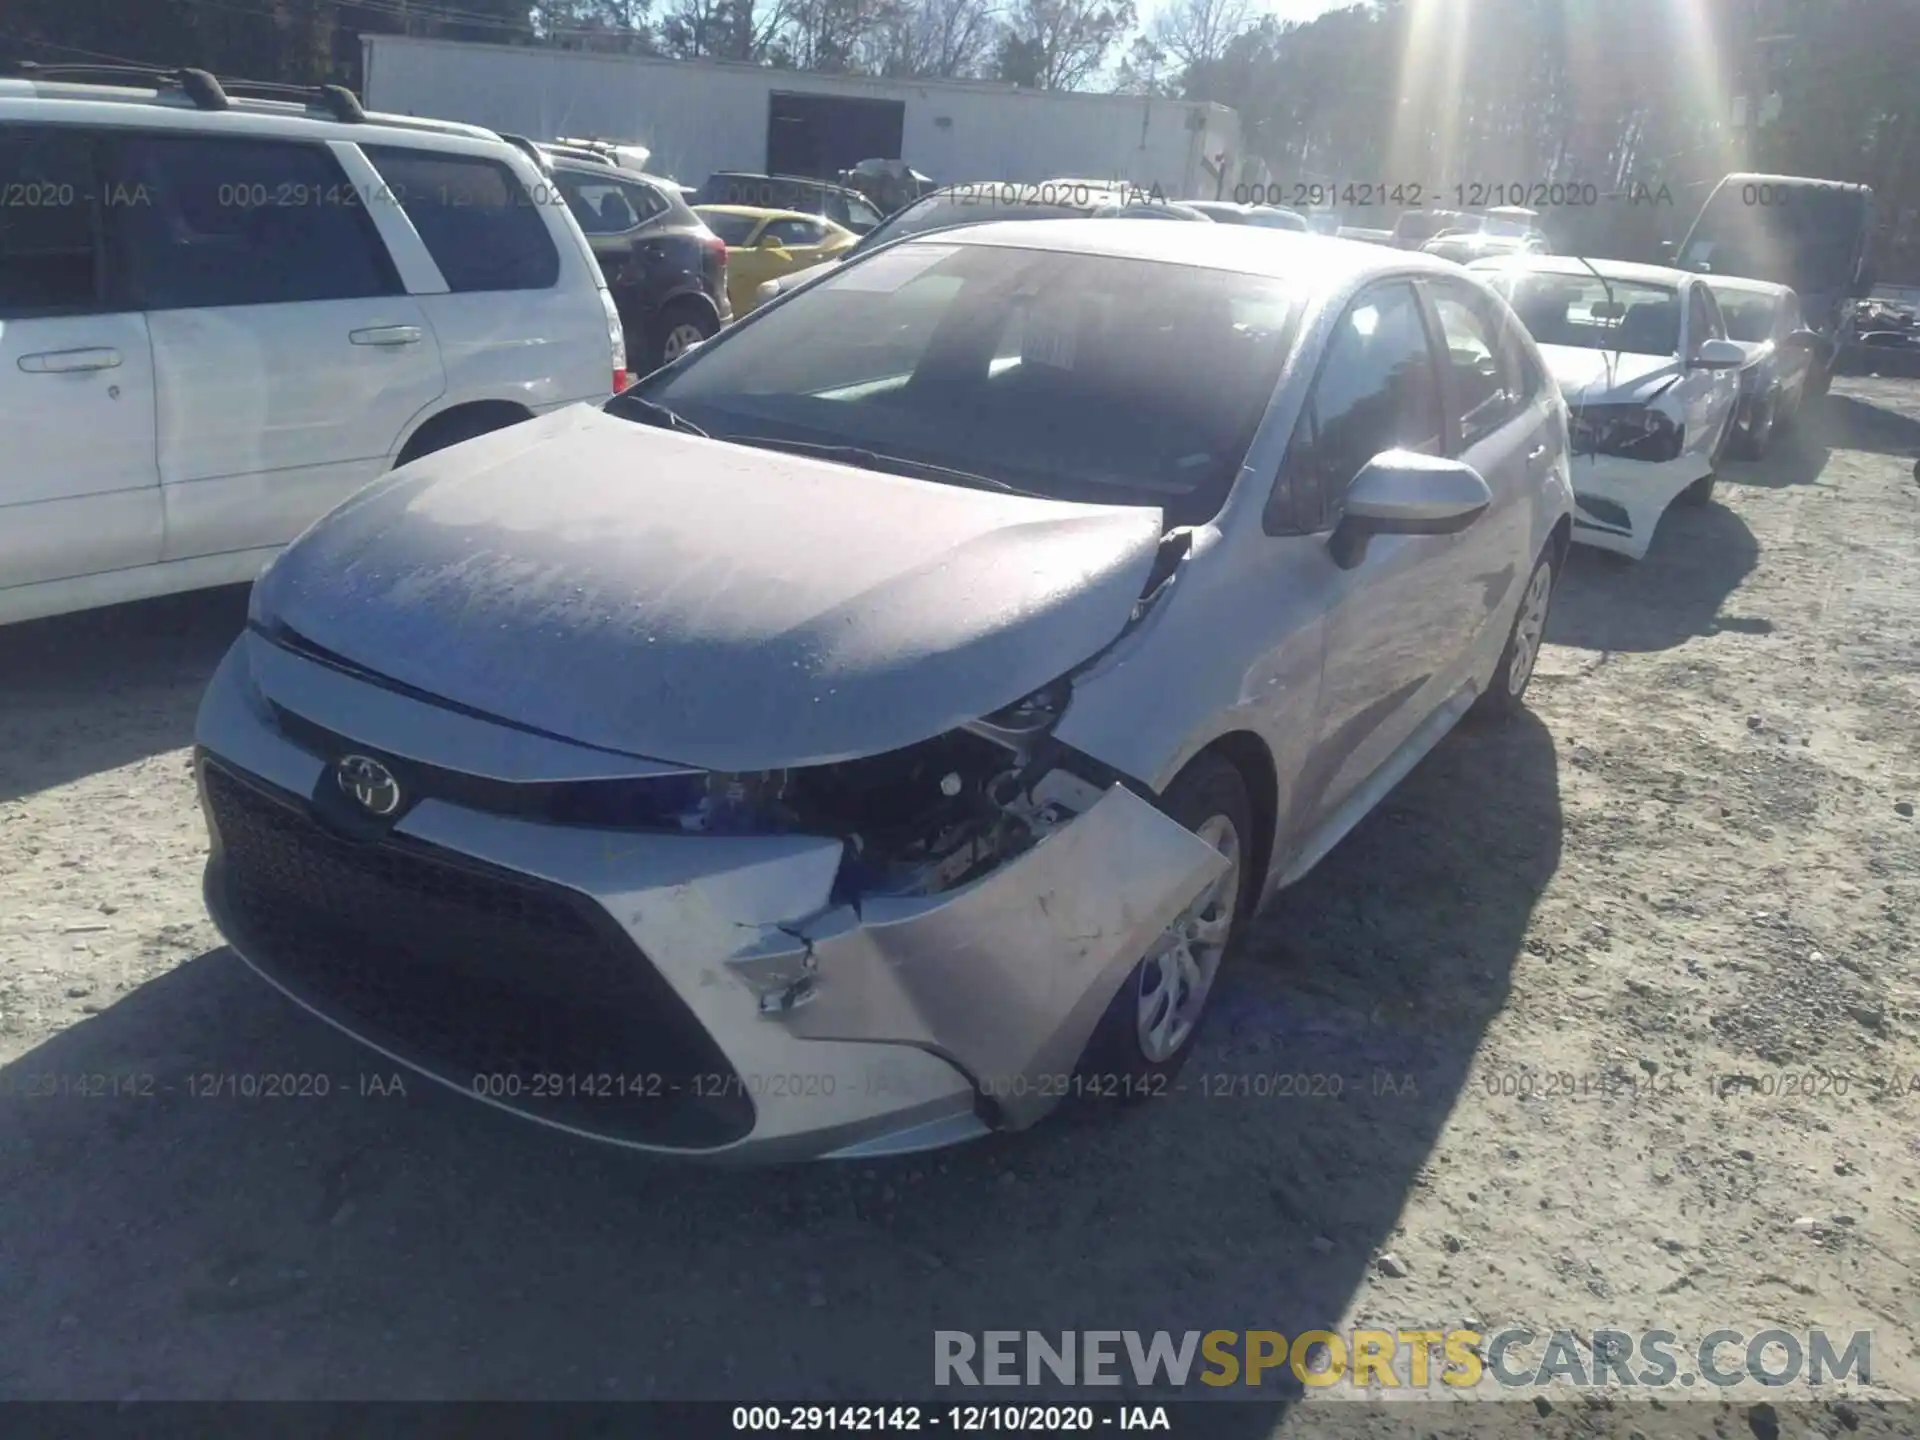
[1149, 1027]
[1505, 696]
[1751, 441]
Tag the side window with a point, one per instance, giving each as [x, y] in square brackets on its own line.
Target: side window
[202, 221]
[49, 221]
[1482, 372]
[835, 208]
[608, 207]
[861, 216]
[478, 222]
[796, 232]
[1789, 316]
[1377, 389]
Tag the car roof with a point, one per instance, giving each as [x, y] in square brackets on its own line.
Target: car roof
[1280, 254]
[1573, 265]
[1740, 282]
[134, 100]
[807, 180]
[600, 172]
[761, 212]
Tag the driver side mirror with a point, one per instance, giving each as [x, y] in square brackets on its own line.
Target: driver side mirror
[770, 242]
[1402, 492]
[1803, 339]
[1718, 355]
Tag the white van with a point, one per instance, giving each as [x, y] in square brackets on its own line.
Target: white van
[224, 308]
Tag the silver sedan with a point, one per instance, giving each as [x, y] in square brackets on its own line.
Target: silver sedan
[880, 723]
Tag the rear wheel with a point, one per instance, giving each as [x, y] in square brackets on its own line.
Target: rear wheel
[682, 325]
[1506, 695]
[1149, 1027]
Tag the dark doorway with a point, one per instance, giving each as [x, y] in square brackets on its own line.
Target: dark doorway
[821, 135]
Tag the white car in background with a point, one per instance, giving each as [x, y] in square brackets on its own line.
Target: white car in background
[1651, 381]
[220, 315]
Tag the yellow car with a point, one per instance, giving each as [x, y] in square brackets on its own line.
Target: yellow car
[763, 245]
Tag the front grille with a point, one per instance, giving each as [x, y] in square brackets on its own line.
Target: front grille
[500, 983]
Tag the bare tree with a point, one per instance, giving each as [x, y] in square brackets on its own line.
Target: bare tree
[1197, 32]
[1144, 71]
[1060, 44]
[942, 39]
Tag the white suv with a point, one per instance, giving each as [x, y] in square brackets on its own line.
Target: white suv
[224, 308]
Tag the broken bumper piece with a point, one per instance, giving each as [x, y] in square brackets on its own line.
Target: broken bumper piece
[686, 994]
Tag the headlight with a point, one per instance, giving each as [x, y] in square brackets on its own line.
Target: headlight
[1633, 432]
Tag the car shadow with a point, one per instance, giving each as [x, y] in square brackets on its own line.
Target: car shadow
[104, 688]
[173, 1230]
[1698, 558]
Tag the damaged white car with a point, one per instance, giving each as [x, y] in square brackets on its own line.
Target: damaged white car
[876, 727]
[1653, 383]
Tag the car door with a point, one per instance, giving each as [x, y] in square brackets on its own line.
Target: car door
[1398, 621]
[1501, 425]
[514, 316]
[288, 358]
[1714, 394]
[79, 484]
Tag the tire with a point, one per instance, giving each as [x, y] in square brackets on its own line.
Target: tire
[1819, 383]
[1127, 1052]
[1753, 437]
[1506, 694]
[679, 324]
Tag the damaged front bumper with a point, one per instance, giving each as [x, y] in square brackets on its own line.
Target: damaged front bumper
[698, 994]
[1618, 502]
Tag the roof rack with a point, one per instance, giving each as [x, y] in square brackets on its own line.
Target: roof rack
[531, 150]
[206, 90]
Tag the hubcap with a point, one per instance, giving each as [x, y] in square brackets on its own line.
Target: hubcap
[679, 338]
[1529, 629]
[1176, 978]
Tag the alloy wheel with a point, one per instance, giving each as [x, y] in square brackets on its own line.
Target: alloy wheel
[1176, 979]
[680, 338]
[1530, 628]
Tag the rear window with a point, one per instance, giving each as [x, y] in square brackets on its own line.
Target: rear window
[482, 228]
[735, 230]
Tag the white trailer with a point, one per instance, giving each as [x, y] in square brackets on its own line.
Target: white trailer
[703, 116]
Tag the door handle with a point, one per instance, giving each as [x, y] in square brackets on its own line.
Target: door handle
[1537, 452]
[387, 335]
[58, 362]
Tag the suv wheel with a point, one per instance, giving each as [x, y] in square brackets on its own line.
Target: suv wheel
[682, 326]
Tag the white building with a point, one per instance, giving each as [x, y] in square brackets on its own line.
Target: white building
[703, 116]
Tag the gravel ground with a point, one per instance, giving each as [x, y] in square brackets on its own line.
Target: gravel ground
[1593, 956]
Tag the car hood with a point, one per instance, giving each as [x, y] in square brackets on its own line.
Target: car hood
[1597, 377]
[706, 604]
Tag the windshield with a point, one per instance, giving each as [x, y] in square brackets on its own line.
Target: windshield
[735, 230]
[940, 212]
[1079, 377]
[1749, 316]
[1575, 310]
[1275, 219]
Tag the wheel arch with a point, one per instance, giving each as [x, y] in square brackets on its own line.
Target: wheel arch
[459, 422]
[1250, 756]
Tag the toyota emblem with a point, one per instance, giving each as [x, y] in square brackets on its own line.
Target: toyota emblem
[370, 783]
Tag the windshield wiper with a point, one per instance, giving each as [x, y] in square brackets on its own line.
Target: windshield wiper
[874, 460]
[652, 412]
